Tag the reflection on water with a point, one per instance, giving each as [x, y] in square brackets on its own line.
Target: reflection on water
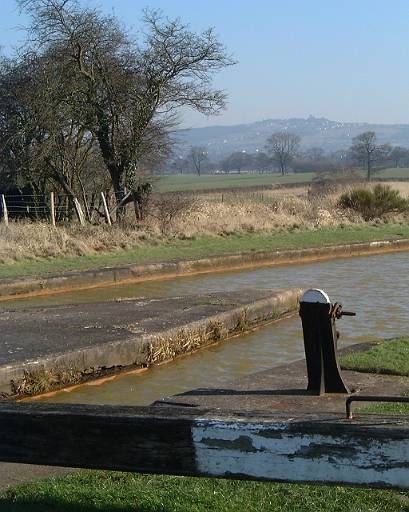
[375, 287]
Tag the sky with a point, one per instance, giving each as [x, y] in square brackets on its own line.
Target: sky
[347, 60]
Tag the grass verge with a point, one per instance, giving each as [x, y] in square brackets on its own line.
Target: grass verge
[205, 246]
[389, 357]
[90, 491]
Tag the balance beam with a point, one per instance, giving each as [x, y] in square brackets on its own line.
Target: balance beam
[370, 450]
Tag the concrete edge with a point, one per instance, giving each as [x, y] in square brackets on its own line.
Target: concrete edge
[64, 369]
[110, 276]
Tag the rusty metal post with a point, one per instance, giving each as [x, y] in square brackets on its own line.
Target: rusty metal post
[318, 317]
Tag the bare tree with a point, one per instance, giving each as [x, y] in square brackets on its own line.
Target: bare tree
[198, 157]
[42, 139]
[366, 150]
[282, 146]
[128, 92]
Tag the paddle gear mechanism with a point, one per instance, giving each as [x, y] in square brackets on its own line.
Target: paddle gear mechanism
[318, 318]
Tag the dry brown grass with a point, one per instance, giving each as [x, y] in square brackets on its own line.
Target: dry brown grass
[33, 240]
[401, 186]
[208, 214]
[270, 211]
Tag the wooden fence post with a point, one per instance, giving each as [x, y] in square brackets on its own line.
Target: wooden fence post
[5, 212]
[52, 208]
[106, 211]
[79, 211]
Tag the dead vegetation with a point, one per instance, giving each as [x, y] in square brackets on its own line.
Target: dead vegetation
[35, 382]
[187, 216]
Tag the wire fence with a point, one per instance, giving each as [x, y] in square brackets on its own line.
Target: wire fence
[54, 207]
[102, 207]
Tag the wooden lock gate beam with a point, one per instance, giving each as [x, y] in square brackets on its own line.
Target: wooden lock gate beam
[320, 448]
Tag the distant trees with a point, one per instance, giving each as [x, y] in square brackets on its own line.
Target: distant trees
[399, 156]
[198, 157]
[84, 89]
[237, 161]
[367, 151]
[282, 147]
[262, 162]
[315, 154]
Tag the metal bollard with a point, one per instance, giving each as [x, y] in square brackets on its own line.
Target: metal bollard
[318, 317]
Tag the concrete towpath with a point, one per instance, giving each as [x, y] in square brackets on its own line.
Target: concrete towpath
[49, 348]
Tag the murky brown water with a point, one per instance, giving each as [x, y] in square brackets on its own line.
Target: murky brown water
[376, 287]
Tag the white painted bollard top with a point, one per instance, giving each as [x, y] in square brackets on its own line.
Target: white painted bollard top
[315, 295]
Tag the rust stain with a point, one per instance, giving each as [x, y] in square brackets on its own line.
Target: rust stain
[96, 382]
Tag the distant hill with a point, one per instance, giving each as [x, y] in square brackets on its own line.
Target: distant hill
[330, 135]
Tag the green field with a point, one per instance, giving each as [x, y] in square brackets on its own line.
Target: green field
[400, 173]
[189, 182]
[205, 246]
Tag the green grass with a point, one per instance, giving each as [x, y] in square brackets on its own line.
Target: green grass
[201, 247]
[189, 182]
[93, 491]
[385, 408]
[388, 357]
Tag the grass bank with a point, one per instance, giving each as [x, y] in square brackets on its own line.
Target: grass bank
[205, 246]
[389, 357]
[91, 491]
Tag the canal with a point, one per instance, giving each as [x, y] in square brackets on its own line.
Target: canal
[376, 287]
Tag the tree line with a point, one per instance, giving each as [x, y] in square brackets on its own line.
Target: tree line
[282, 152]
[87, 105]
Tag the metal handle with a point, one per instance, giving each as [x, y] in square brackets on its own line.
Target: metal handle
[336, 311]
[367, 398]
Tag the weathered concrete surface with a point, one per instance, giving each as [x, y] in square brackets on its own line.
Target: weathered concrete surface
[47, 348]
[283, 388]
[59, 282]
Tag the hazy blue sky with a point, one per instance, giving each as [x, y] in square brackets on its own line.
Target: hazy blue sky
[347, 60]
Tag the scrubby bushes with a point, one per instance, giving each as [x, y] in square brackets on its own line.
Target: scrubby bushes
[374, 203]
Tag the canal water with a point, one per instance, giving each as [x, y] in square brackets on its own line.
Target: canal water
[376, 287]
